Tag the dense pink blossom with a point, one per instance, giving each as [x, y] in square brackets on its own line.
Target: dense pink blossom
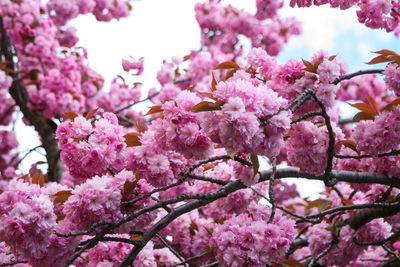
[248, 240]
[27, 219]
[310, 141]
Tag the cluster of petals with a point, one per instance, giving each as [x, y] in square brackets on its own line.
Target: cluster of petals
[88, 150]
[179, 129]
[392, 77]
[99, 199]
[237, 126]
[27, 219]
[249, 240]
[311, 142]
[381, 135]
[157, 166]
[357, 88]
[345, 249]
[61, 11]
[221, 26]
[374, 14]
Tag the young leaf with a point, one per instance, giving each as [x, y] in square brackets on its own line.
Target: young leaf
[321, 204]
[373, 103]
[364, 107]
[231, 153]
[290, 263]
[227, 65]
[62, 196]
[38, 178]
[389, 106]
[363, 116]
[229, 74]
[350, 144]
[206, 106]
[132, 139]
[91, 113]
[213, 83]
[386, 52]
[379, 59]
[154, 109]
[256, 164]
[142, 127]
[71, 115]
[309, 66]
[129, 186]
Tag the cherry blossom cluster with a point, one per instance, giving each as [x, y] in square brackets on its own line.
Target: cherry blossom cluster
[27, 219]
[249, 240]
[310, 141]
[183, 184]
[88, 150]
[292, 78]
[392, 74]
[373, 13]
[221, 26]
[179, 130]
[237, 126]
[379, 136]
[61, 11]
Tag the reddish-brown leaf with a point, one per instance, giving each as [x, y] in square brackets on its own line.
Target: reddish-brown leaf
[309, 66]
[91, 113]
[350, 144]
[71, 115]
[379, 59]
[290, 263]
[321, 204]
[129, 186]
[256, 164]
[331, 58]
[142, 127]
[391, 104]
[230, 73]
[363, 116]
[386, 52]
[213, 83]
[136, 237]
[364, 107]
[132, 139]
[206, 106]
[373, 103]
[62, 196]
[38, 178]
[227, 65]
[154, 109]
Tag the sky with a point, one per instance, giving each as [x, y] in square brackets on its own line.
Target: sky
[161, 29]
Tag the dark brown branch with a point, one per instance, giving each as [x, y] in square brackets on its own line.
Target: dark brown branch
[358, 73]
[331, 144]
[12, 263]
[377, 243]
[391, 153]
[44, 127]
[395, 11]
[179, 256]
[135, 103]
[271, 191]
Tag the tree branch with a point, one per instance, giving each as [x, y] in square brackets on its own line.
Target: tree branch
[45, 127]
[358, 73]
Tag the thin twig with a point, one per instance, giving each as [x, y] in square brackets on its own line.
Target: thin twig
[358, 73]
[176, 253]
[135, 103]
[271, 191]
